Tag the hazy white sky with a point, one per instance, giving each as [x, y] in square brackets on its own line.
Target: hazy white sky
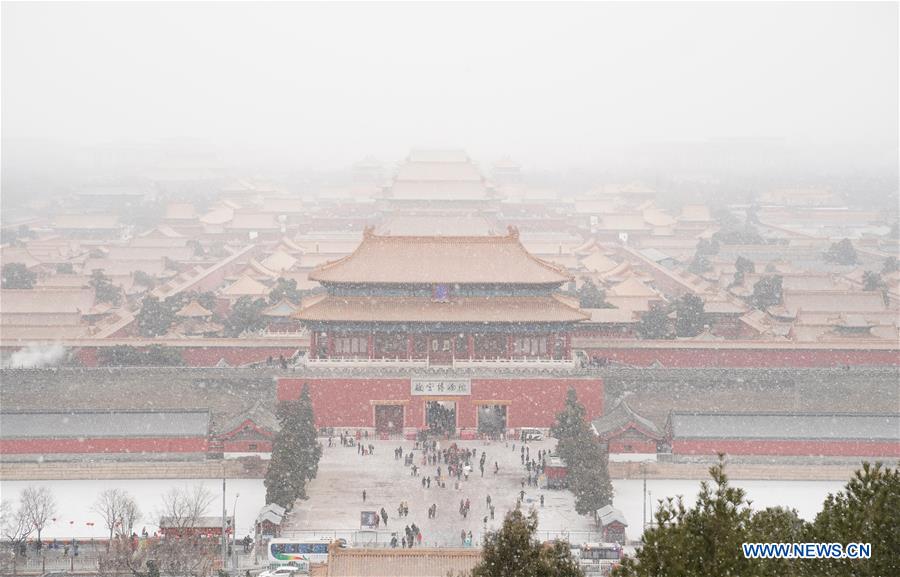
[333, 82]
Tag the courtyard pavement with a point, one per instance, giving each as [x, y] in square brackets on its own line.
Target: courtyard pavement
[335, 495]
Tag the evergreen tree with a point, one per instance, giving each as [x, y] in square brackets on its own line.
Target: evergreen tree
[295, 452]
[872, 281]
[154, 318]
[591, 297]
[767, 292]
[776, 525]
[586, 459]
[16, 275]
[570, 421]
[655, 324]
[310, 451]
[890, 265]
[104, 289]
[246, 315]
[841, 253]
[589, 474]
[514, 551]
[285, 289]
[703, 540]
[865, 511]
[689, 316]
[699, 265]
[742, 266]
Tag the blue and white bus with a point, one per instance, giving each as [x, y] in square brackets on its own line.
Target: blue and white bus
[288, 550]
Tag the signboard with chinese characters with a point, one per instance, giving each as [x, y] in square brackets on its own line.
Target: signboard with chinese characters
[441, 387]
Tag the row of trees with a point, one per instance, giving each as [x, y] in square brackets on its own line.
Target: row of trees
[295, 452]
[689, 319]
[178, 554]
[156, 317]
[706, 539]
[585, 457]
[35, 509]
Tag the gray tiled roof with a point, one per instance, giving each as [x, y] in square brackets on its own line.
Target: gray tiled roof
[621, 415]
[785, 426]
[65, 424]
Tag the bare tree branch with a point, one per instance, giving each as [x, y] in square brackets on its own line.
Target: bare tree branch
[40, 505]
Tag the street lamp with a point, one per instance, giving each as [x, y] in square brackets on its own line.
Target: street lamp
[234, 531]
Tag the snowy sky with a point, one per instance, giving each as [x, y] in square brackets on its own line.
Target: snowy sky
[330, 83]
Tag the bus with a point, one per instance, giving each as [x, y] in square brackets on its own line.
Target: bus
[598, 559]
[290, 551]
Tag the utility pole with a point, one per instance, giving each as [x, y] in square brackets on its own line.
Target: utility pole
[644, 513]
[224, 537]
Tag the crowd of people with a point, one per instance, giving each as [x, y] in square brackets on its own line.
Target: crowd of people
[435, 467]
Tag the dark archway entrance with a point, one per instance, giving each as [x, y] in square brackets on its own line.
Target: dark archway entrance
[389, 419]
[440, 417]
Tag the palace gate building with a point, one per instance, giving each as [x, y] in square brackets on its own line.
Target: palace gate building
[456, 334]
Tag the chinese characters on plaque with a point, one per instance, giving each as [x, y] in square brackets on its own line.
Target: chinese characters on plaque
[441, 387]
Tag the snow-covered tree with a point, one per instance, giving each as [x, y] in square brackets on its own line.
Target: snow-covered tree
[514, 551]
[17, 276]
[865, 511]
[841, 252]
[655, 323]
[688, 316]
[586, 459]
[295, 452]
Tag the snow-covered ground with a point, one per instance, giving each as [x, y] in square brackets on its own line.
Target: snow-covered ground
[336, 496]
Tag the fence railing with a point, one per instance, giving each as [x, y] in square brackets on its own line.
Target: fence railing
[96, 562]
[376, 539]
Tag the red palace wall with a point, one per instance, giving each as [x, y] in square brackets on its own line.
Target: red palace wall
[107, 445]
[532, 402]
[725, 357]
[786, 447]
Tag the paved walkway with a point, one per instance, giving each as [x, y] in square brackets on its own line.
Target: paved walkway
[335, 499]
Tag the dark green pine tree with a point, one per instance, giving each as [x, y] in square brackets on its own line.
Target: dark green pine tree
[589, 473]
[655, 323]
[295, 452]
[585, 457]
[867, 510]
[309, 449]
[704, 540]
[569, 421]
[689, 315]
[514, 551]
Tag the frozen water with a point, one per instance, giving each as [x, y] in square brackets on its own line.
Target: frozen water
[336, 496]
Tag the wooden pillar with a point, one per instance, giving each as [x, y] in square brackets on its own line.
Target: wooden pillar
[312, 344]
[509, 346]
[370, 345]
[568, 354]
[330, 344]
[409, 346]
[470, 345]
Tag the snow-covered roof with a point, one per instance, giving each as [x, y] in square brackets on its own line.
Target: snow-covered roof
[785, 426]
